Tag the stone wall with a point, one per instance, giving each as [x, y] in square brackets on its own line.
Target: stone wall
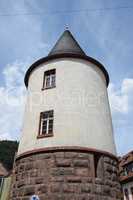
[66, 175]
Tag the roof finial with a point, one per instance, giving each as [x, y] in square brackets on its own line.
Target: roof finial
[67, 27]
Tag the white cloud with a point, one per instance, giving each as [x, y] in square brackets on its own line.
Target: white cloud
[120, 98]
[122, 113]
[127, 85]
[12, 98]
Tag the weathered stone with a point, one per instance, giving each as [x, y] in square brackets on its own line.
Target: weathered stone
[71, 154]
[65, 175]
[21, 168]
[87, 188]
[91, 197]
[55, 187]
[39, 180]
[74, 179]
[114, 177]
[107, 159]
[59, 154]
[44, 156]
[21, 183]
[97, 189]
[29, 166]
[44, 197]
[63, 162]
[81, 171]
[83, 155]
[99, 181]
[62, 171]
[42, 188]
[108, 182]
[70, 188]
[108, 167]
[57, 179]
[20, 191]
[25, 198]
[29, 190]
[106, 190]
[81, 163]
[87, 179]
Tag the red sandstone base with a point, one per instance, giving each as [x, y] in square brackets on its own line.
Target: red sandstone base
[66, 175]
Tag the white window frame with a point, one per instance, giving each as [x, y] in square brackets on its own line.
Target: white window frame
[51, 77]
[47, 120]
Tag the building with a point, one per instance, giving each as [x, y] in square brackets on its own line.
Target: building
[3, 174]
[126, 175]
[67, 146]
[5, 182]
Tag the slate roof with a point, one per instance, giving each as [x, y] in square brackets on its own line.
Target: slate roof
[67, 44]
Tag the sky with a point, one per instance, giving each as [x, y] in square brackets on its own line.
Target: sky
[103, 28]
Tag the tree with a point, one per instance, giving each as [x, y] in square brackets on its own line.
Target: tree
[7, 153]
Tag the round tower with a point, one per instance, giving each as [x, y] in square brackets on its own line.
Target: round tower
[67, 147]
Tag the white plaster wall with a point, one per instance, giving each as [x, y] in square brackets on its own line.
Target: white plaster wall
[80, 103]
[128, 186]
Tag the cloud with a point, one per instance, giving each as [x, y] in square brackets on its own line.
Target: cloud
[120, 98]
[22, 39]
[21, 35]
[127, 86]
[12, 99]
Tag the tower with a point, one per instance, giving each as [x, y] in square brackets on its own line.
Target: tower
[67, 147]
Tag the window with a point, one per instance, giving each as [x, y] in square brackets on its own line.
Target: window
[128, 169]
[46, 124]
[131, 192]
[1, 183]
[49, 79]
[98, 166]
[126, 194]
[1, 180]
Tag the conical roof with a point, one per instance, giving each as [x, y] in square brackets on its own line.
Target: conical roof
[66, 44]
[66, 47]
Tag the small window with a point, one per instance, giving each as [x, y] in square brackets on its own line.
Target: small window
[98, 166]
[49, 79]
[46, 124]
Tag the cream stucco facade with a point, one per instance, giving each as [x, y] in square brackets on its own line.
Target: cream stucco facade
[81, 109]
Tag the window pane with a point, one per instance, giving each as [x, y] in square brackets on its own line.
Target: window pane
[0, 181]
[53, 80]
[44, 127]
[50, 128]
[50, 114]
[45, 115]
[47, 81]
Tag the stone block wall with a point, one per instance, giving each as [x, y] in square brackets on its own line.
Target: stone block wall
[66, 175]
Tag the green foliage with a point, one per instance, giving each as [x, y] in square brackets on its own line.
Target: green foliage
[7, 153]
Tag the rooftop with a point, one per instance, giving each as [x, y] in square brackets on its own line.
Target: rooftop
[66, 44]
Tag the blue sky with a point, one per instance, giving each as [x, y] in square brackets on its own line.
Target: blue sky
[29, 29]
